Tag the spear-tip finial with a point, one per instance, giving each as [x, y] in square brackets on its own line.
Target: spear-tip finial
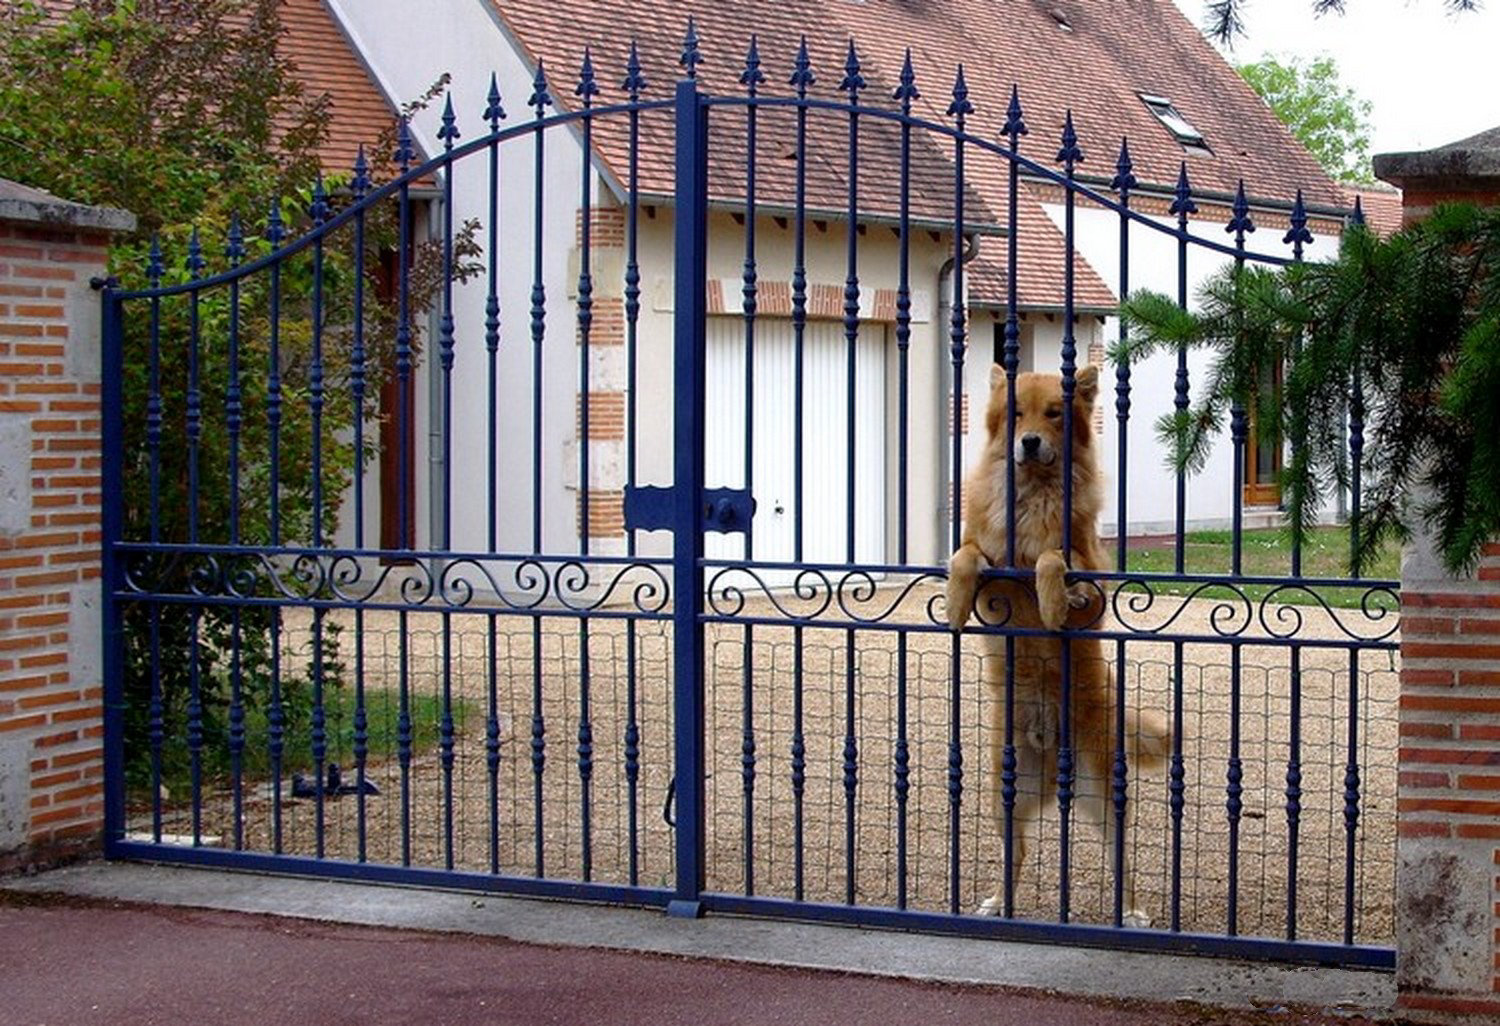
[802, 73]
[853, 81]
[195, 254]
[906, 92]
[405, 153]
[1298, 233]
[1357, 216]
[493, 112]
[1015, 123]
[360, 183]
[1069, 154]
[448, 132]
[635, 81]
[540, 97]
[275, 227]
[154, 265]
[752, 76]
[1124, 179]
[588, 86]
[318, 209]
[1183, 204]
[1240, 222]
[691, 55]
[960, 105]
[234, 251]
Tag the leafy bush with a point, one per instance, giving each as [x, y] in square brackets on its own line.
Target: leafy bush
[1402, 334]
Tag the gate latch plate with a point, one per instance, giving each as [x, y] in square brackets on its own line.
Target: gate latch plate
[726, 510]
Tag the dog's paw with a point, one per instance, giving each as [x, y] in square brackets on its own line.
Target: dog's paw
[1052, 595]
[959, 601]
[991, 906]
[1135, 919]
[1079, 596]
[963, 585]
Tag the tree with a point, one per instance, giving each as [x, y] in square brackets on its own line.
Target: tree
[1224, 19]
[1401, 335]
[1327, 118]
[186, 113]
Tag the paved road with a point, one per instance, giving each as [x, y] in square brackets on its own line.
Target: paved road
[67, 962]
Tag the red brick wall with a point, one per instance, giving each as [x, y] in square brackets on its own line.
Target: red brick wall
[50, 692]
[1449, 795]
[1418, 199]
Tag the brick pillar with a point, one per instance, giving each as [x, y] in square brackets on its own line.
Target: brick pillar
[51, 723]
[1448, 791]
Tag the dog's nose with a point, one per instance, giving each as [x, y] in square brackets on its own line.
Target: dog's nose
[1030, 443]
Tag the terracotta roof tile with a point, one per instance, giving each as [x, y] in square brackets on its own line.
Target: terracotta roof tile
[1040, 268]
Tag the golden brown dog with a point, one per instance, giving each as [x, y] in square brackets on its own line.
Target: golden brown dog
[1038, 459]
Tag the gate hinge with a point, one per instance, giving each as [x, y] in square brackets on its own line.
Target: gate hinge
[726, 510]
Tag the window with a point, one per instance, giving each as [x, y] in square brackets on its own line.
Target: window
[1171, 118]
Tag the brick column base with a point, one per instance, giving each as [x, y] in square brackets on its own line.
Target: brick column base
[1448, 849]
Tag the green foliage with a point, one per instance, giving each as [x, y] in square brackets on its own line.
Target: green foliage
[1325, 116]
[1224, 20]
[185, 113]
[1405, 331]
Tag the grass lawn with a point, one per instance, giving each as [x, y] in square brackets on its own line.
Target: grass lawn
[1264, 553]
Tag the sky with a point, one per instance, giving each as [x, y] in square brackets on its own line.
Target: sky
[1432, 76]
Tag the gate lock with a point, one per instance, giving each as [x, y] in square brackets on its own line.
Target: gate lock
[726, 510]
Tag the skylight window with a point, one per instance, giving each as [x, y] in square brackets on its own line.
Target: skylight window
[1171, 118]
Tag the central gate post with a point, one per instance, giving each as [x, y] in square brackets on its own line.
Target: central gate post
[690, 275]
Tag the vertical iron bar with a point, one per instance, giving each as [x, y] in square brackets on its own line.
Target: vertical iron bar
[1293, 793]
[404, 156]
[448, 132]
[540, 100]
[319, 213]
[1069, 155]
[587, 89]
[802, 77]
[1015, 127]
[1182, 205]
[634, 83]
[1298, 235]
[194, 414]
[1240, 224]
[112, 529]
[958, 109]
[751, 79]
[233, 411]
[906, 93]
[853, 82]
[156, 709]
[1176, 786]
[359, 186]
[1124, 181]
[275, 715]
[493, 113]
[690, 276]
[1351, 797]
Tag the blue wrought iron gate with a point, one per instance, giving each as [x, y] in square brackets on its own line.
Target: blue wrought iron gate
[526, 701]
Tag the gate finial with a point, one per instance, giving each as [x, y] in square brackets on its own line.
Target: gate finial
[752, 76]
[853, 81]
[493, 112]
[1358, 215]
[906, 92]
[275, 229]
[635, 81]
[1124, 179]
[318, 209]
[154, 266]
[1298, 234]
[1015, 124]
[234, 252]
[540, 97]
[802, 74]
[691, 55]
[194, 256]
[404, 152]
[360, 183]
[1183, 204]
[1069, 154]
[960, 105]
[449, 130]
[1240, 222]
[588, 87]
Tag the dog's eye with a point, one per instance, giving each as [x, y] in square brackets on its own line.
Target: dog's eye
[1054, 413]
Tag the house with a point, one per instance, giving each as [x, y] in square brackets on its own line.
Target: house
[1140, 71]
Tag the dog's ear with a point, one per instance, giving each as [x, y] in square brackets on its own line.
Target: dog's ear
[997, 376]
[1087, 384]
